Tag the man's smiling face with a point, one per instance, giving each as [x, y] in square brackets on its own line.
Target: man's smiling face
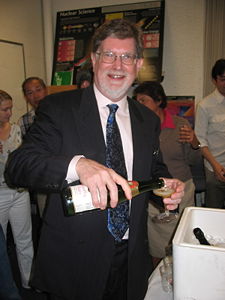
[114, 79]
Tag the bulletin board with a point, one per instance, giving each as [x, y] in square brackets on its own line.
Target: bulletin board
[74, 30]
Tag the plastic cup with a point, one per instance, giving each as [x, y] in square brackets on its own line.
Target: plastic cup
[166, 273]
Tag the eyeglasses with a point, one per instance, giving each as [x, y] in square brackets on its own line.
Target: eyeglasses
[109, 57]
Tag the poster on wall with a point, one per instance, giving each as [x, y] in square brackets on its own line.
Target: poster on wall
[183, 106]
[74, 30]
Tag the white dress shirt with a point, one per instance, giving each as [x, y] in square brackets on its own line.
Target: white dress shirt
[210, 126]
[124, 124]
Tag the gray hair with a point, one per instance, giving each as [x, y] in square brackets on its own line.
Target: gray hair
[121, 29]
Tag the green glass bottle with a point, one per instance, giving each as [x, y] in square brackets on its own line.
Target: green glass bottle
[200, 236]
[77, 198]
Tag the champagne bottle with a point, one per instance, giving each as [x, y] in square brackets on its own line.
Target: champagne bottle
[200, 236]
[77, 198]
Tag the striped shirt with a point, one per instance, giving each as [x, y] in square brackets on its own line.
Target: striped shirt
[25, 121]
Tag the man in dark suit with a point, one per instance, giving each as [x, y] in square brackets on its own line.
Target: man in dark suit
[78, 258]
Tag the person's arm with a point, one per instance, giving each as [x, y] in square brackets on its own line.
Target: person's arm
[38, 163]
[190, 143]
[43, 160]
[187, 135]
[218, 169]
[100, 180]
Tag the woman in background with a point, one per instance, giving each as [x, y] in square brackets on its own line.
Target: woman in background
[179, 147]
[14, 203]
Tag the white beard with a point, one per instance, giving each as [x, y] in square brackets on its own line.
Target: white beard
[115, 93]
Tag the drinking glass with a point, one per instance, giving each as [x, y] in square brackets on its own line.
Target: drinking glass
[166, 216]
[166, 273]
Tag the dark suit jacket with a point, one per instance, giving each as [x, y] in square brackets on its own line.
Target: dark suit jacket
[75, 252]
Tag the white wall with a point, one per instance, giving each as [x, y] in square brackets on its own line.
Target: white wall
[183, 47]
[183, 41]
[21, 22]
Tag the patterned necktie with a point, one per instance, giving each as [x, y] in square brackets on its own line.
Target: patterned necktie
[118, 217]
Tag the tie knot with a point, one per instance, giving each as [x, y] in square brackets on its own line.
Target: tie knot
[113, 108]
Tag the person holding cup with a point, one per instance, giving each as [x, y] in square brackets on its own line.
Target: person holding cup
[180, 149]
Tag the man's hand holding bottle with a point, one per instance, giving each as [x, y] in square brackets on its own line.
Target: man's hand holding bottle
[102, 181]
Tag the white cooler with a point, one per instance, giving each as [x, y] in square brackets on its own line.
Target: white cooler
[199, 271]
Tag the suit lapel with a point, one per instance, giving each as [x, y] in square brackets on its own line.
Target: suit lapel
[89, 127]
[140, 136]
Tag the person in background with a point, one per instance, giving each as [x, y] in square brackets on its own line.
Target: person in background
[180, 149]
[14, 203]
[8, 288]
[210, 130]
[84, 77]
[79, 257]
[34, 90]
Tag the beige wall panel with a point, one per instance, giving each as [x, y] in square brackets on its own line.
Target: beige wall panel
[12, 75]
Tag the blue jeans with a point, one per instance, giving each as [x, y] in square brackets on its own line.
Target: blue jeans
[8, 289]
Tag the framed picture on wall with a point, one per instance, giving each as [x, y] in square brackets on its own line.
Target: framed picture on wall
[183, 106]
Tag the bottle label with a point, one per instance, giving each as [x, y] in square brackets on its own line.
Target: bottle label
[134, 188]
[81, 198]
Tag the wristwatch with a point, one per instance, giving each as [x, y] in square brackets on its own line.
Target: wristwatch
[196, 148]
